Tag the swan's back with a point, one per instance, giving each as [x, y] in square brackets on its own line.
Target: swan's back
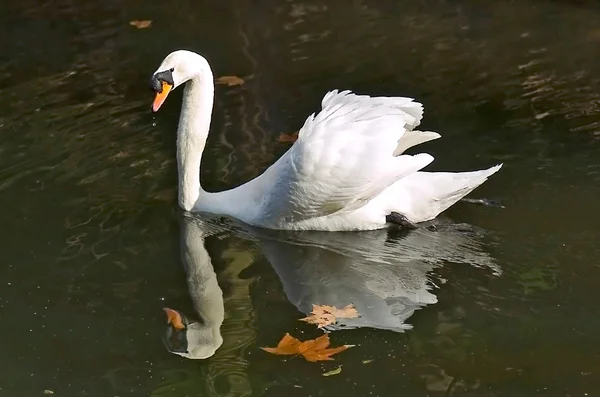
[345, 159]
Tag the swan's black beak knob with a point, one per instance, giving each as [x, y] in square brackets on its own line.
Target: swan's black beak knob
[161, 84]
[159, 77]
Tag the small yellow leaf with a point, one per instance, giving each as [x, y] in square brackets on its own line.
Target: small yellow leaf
[48, 392]
[141, 24]
[230, 80]
[336, 371]
[367, 361]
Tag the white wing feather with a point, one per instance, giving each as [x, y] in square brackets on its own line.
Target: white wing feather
[345, 156]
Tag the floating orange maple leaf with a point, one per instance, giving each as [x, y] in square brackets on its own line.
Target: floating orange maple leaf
[173, 317]
[230, 80]
[323, 315]
[312, 350]
[291, 138]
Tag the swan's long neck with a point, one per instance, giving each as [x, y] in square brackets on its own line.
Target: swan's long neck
[192, 133]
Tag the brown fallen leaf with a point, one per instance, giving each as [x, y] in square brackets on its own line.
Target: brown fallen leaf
[312, 350]
[141, 24]
[230, 80]
[173, 317]
[323, 315]
[291, 138]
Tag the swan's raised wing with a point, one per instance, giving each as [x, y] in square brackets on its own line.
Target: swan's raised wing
[345, 155]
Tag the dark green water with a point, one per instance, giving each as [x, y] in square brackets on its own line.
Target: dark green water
[92, 240]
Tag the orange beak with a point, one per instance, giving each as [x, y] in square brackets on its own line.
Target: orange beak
[160, 97]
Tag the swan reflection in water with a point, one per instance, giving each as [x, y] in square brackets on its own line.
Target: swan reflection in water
[383, 273]
[200, 339]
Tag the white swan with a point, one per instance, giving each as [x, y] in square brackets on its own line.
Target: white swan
[346, 171]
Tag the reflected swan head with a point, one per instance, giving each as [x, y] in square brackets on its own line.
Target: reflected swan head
[195, 342]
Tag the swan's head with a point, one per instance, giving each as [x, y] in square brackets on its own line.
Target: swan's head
[177, 68]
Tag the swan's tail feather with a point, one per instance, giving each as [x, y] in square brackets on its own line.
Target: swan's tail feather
[424, 195]
[414, 138]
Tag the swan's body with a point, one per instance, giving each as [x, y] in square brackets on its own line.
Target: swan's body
[346, 171]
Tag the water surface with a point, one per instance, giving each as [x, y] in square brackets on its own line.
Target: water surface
[94, 246]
